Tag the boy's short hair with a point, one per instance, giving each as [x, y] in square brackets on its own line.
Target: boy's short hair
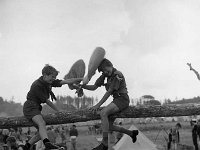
[104, 63]
[48, 70]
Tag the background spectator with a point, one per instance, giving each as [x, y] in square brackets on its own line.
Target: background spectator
[11, 142]
[174, 136]
[51, 135]
[73, 133]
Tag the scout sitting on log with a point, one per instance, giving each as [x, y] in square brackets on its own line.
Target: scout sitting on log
[115, 86]
[39, 93]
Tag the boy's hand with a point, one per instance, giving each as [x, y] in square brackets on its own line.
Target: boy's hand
[94, 108]
[79, 92]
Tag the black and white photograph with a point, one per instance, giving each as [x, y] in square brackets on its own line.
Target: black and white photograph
[99, 75]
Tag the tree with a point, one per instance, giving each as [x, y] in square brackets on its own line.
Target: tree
[152, 102]
[148, 97]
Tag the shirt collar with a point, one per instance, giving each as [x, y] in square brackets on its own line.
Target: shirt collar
[113, 71]
[41, 80]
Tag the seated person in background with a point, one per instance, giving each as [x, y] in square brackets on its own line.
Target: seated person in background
[5, 134]
[11, 142]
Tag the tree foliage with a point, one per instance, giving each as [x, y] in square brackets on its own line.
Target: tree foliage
[185, 101]
[9, 108]
[152, 102]
[65, 103]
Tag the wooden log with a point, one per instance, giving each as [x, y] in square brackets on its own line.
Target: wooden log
[87, 115]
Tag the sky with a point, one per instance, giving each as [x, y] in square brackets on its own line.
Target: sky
[149, 41]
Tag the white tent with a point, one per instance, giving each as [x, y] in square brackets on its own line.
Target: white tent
[142, 143]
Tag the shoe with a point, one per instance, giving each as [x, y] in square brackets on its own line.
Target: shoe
[49, 145]
[134, 135]
[26, 147]
[101, 147]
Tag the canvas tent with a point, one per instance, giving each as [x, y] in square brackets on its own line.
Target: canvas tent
[142, 143]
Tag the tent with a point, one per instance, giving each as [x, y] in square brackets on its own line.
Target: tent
[142, 143]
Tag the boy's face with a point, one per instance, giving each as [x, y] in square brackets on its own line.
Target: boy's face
[50, 78]
[107, 71]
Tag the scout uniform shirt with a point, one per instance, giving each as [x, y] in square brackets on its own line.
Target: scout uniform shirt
[39, 93]
[116, 82]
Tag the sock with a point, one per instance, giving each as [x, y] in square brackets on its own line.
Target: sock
[105, 138]
[45, 141]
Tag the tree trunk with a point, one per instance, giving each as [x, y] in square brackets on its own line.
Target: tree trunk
[87, 115]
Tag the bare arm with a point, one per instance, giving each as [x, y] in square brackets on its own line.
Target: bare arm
[192, 69]
[48, 102]
[89, 87]
[104, 98]
[71, 81]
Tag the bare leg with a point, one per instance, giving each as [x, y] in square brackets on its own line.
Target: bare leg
[35, 139]
[132, 133]
[108, 110]
[38, 119]
[120, 129]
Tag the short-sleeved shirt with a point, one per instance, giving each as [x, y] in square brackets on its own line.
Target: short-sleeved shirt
[40, 90]
[73, 132]
[116, 82]
[175, 135]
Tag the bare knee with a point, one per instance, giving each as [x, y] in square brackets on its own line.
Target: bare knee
[40, 123]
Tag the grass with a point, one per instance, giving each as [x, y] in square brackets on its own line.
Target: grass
[156, 132]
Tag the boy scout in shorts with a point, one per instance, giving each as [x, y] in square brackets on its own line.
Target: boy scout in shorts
[39, 93]
[115, 86]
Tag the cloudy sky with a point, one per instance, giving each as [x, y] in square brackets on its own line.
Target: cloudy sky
[150, 41]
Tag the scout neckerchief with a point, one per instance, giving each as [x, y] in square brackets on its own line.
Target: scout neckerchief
[48, 87]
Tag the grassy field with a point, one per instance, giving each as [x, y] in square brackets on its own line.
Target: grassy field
[159, 130]
[156, 132]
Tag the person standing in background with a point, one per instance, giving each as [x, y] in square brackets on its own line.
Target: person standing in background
[73, 133]
[195, 133]
[175, 135]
